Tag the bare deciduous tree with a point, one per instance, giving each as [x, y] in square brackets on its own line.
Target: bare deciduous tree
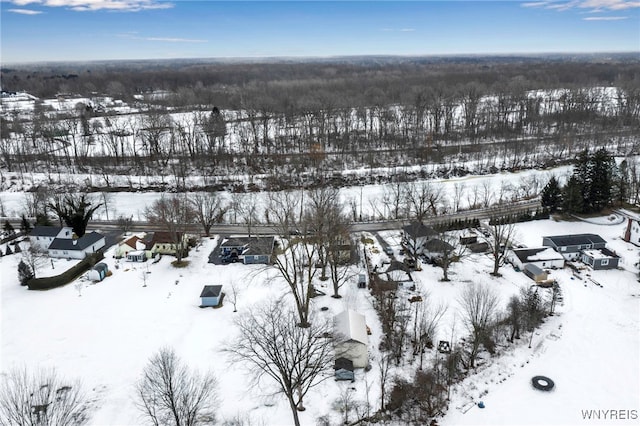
[174, 213]
[479, 306]
[501, 234]
[76, 210]
[169, 393]
[208, 209]
[124, 223]
[41, 398]
[270, 345]
[450, 250]
[426, 319]
[35, 257]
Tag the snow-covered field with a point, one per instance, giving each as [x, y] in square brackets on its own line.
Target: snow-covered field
[106, 333]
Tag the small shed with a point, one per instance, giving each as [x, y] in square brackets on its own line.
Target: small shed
[362, 280]
[98, 272]
[210, 295]
[468, 238]
[137, 256]
[344, 369]
[535, 273]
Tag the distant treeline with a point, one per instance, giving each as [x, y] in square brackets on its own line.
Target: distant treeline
[395, 79]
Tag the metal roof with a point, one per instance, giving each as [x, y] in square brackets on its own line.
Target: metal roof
[350, 325]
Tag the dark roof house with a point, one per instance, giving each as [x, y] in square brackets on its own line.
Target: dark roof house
[418, 230]
[77, 244]
[570, 246]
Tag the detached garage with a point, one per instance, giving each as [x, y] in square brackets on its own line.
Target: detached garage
[351, 339]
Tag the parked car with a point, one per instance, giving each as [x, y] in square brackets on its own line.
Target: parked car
[410, 262]
[389, 251]
[230, 258]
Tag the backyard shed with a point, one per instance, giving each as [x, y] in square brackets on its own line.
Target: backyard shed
[210, 295]
[535, 273]
[137, 256]
[98, 272]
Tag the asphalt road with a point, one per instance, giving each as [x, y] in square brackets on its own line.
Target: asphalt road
[112, 228]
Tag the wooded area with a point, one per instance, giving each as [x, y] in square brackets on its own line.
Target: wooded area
[285, 120]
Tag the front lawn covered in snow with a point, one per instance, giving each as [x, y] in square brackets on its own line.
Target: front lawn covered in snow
[106, 333]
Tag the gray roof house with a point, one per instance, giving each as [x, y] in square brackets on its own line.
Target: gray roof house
[77, 248]
[416, 235]
[43, 236]
[570, 246]
[602, 258]
[249, 250]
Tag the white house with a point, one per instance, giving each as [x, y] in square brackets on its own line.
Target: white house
[632, 231]
[351, 339]
[542, 257]
[76, 248]
[133, 243]
[43, 236]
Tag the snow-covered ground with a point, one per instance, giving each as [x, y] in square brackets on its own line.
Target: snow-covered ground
[366, 199]
[104, 336]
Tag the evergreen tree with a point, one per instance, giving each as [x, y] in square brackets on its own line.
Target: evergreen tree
[622, 184]
[552, 195]
[8, 227]
[24, 273]
[25, 225]
[572, 196]
[601, 171]
[8, 250]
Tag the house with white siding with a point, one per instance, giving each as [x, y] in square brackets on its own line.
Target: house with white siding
[571, 246]
[542, 257]
[43, 236]
[76, 248]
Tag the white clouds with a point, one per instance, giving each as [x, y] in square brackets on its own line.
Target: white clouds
[593, 5]
[25, 11]
[589, 6]
[132, 36]
[174, 40]
[92, 5]
[605, 18]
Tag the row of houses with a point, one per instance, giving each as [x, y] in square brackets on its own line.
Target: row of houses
[590, 249]
[137, 249]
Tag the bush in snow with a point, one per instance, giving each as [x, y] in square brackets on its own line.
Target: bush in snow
[25, 273]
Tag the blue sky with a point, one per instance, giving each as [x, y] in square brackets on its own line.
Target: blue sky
[81, 30]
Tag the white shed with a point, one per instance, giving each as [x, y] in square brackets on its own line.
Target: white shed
[351, 339]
